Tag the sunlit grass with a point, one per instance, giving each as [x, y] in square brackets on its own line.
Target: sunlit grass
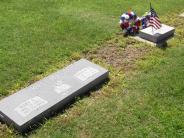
[38, 37]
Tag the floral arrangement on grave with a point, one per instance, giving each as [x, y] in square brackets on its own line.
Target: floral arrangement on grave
[130, 23]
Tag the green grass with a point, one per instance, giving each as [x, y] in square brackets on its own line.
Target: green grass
[147, 104]
[160, 105]
[41, 36]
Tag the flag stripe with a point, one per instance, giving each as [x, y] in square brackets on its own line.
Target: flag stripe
[155, 22]
[154, 19]
[155, 25]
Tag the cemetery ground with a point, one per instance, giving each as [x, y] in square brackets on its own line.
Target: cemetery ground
[144, 95]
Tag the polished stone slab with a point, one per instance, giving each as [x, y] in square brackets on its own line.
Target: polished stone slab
[157, 36]
[28, 106]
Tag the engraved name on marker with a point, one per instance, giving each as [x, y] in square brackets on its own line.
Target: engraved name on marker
[86, 73]
[25, 108]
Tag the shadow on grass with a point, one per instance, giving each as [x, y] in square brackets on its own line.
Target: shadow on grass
[163, 46]
[41, 119]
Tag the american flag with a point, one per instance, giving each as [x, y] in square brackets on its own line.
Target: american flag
[154, 19]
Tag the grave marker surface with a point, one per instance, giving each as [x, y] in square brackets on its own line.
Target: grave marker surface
[157, 36]
[28, 106]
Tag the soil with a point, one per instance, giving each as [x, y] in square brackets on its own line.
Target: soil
[119, 57]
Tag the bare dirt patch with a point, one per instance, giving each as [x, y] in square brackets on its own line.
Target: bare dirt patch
[120, 54]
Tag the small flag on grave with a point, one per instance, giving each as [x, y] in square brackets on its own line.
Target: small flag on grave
[154, 19]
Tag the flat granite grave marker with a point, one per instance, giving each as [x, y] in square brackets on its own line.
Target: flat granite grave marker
[157, 36]
[28, 106]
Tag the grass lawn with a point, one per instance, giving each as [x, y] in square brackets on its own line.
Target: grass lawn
[41, 36]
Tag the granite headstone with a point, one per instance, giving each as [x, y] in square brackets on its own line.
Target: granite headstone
[39, 100]
[157, 36]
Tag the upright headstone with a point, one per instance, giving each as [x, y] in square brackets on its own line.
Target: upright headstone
[157, 36]
[28, 106]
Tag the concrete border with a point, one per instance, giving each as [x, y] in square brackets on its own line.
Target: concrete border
[162, 44]
[143, 40]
